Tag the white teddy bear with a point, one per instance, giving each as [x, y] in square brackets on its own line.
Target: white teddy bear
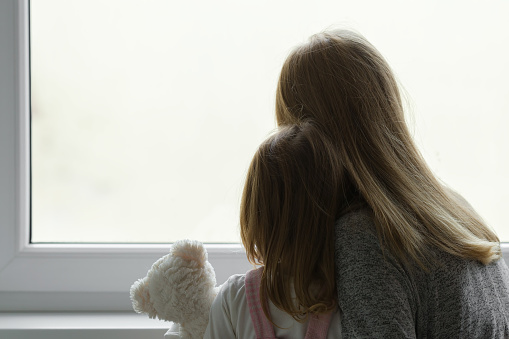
[179, 287]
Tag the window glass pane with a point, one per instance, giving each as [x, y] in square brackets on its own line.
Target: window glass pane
[145, 114]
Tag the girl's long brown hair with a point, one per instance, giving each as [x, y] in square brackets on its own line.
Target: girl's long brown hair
[341, 82]
[289, 206]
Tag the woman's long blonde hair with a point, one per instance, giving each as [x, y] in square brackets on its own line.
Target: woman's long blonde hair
[289, 207]
[341, 82]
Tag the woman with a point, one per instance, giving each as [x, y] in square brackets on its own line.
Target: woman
[413, 259]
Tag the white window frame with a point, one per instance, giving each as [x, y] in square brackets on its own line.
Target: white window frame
[45, 277]
[58, 277]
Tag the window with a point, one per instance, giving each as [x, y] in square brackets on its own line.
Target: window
[452, 71]
[143, 123]
[51, 277]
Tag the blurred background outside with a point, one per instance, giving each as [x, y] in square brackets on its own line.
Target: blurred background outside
[145, 114]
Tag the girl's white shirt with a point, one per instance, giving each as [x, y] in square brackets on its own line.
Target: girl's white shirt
[229, 317]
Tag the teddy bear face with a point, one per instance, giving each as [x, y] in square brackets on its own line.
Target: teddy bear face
[179, 287]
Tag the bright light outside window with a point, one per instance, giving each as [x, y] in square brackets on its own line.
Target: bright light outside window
[145, 114]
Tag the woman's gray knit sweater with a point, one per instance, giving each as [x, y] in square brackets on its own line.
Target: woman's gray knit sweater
[380, 298]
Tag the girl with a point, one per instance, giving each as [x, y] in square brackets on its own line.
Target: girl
[415, 261]
[289, 207]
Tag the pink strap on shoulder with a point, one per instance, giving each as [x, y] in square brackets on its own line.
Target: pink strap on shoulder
[263, 328]
[318, 325]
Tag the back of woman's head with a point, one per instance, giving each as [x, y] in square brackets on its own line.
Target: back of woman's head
[288, 210]
[342, 83]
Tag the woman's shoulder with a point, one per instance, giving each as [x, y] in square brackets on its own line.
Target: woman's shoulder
[375, 293]
[356, 221]
[356, 237]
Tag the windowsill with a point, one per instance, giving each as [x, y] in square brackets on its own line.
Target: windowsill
[94, 325]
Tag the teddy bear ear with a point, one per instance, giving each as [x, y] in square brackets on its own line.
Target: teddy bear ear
[190, 250]
[140, 298]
